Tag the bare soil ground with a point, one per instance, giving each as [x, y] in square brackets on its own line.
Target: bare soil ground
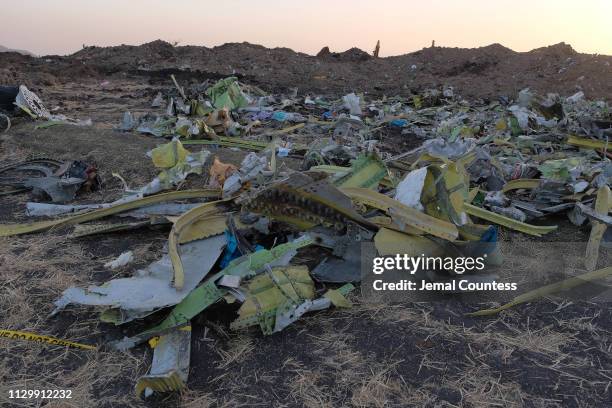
[544, 354]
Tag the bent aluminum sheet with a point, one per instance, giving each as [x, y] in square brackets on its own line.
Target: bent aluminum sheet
[170, 366]
[48, 210]
[151, 288]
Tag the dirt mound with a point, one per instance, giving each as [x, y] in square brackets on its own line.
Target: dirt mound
[451, 62]
[485, 72]
[557, 50]
[22, 52]
[351, 55]
[127, 57]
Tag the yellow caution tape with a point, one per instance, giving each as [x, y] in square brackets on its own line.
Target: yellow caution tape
[13, 334]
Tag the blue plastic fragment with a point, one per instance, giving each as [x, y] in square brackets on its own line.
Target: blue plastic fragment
[280, 116]
[490, 235]
[231, 250]
[400, 123]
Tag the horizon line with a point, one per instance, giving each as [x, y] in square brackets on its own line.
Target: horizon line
[177, 44]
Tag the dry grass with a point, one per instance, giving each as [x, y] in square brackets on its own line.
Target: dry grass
[10, 150]
[36, 269]
[44, 265]
[238, 350]
[91, 380]
[509, 338]
[373, 355]
[378, 388]
[345, 373]
[191, 399]
[306, 389]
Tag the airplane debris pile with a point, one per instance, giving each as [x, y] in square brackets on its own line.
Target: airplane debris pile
[431, 174]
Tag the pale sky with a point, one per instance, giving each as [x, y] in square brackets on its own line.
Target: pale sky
[63, 26]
